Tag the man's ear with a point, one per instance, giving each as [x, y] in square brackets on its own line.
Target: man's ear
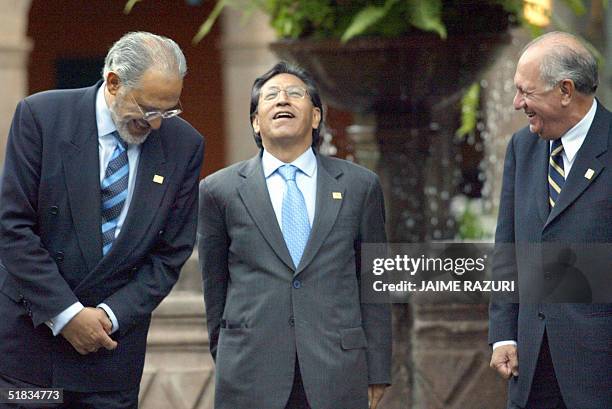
[316, 117]
[113, 83]
[567, 89]
[255, 124]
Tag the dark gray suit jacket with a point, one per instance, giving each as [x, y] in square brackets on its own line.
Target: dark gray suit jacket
[579, 335]
[262, 310]
[51, 243]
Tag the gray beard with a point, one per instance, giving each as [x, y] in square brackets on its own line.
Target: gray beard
[123, 132]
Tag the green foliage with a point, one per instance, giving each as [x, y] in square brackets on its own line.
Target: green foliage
[366, 18]
[469, 110]
[470, 227]
[427, 16]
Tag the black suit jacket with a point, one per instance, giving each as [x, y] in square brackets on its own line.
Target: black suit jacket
[579, 335]
[51, 244]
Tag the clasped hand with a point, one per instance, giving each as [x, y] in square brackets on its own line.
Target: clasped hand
[89, 331]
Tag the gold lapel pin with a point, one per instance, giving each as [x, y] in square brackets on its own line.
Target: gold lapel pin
[337, 195]
[589, 173]
[158, 179]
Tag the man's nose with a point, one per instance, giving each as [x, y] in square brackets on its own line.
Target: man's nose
[282, 97]
[519, 100]
[155, 123]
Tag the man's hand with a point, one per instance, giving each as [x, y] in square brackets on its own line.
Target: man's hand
[504, 360]
[375, 394]
[88, 331]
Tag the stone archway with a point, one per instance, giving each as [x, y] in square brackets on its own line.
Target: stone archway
[14, 51]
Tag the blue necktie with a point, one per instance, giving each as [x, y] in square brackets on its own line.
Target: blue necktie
[114, 190]
[556, 173]
[296, 227]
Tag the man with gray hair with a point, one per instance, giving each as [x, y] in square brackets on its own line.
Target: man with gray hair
[97, 216]
[557, 188]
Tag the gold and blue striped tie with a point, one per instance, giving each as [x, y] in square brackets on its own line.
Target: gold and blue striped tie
[556, 173]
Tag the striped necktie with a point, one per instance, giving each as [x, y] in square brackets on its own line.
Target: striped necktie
[296, 226]
[556, 173]
[114, 189]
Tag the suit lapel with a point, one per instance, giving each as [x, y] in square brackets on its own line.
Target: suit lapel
[81, 164]
[327, 209]
[254, 194]
[593, 146]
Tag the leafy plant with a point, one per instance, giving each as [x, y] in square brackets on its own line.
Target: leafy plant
[346, 19]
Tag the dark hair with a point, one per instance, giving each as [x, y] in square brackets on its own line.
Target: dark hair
[284, 67]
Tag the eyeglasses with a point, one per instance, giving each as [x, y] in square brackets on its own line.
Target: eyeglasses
[153, 115]
[292, 92]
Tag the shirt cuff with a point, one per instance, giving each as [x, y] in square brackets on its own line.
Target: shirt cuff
[111, 316]
[502, 343]
[58, 322]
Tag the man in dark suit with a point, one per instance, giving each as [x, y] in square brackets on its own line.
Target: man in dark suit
[97, 215]
[279, 240]
[557, 188]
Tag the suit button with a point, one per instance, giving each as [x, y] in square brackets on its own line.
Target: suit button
[547, 275]
[134, 269]
[54, 210]
[59, 256]
[541, 315]
[161, 232]
[291, 322]
[297, 284]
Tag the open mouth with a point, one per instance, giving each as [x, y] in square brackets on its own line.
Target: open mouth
[141, 125]
[283, 115]
[530, 114]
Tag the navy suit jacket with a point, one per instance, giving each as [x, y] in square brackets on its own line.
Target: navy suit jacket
[51, 244]
[579, 335]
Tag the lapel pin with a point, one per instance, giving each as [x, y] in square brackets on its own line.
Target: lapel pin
[158, 179]
[589, 173]
[337, 195]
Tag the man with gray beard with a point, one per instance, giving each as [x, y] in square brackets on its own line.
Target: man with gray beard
[97, 216]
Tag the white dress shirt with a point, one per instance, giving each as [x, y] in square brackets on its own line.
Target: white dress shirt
[572, 140]
[305, 178]
[106, 146]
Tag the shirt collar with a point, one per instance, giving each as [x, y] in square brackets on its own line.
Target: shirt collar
[306, 162]
[104, 121]
[573, 139]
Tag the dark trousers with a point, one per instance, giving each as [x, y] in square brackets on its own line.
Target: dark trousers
[545, 392]
[127, 399]
[297, 398]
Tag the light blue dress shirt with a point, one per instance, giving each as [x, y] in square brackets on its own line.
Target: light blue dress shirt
[306, 180]
[106, 147]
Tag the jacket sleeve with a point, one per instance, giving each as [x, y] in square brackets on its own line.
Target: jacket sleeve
[503, 313]
[32, 274]
[376, 318]
[213, 245]
[160, 270]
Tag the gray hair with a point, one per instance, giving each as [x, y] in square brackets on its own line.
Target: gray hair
[136, 52]
[567, 60]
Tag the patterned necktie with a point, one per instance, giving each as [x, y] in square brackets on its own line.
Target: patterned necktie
[296, 227]
[114, 189]
[556, 174]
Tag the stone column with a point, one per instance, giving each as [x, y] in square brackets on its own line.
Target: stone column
[245, 57]
[14, 51]
[179, 371]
